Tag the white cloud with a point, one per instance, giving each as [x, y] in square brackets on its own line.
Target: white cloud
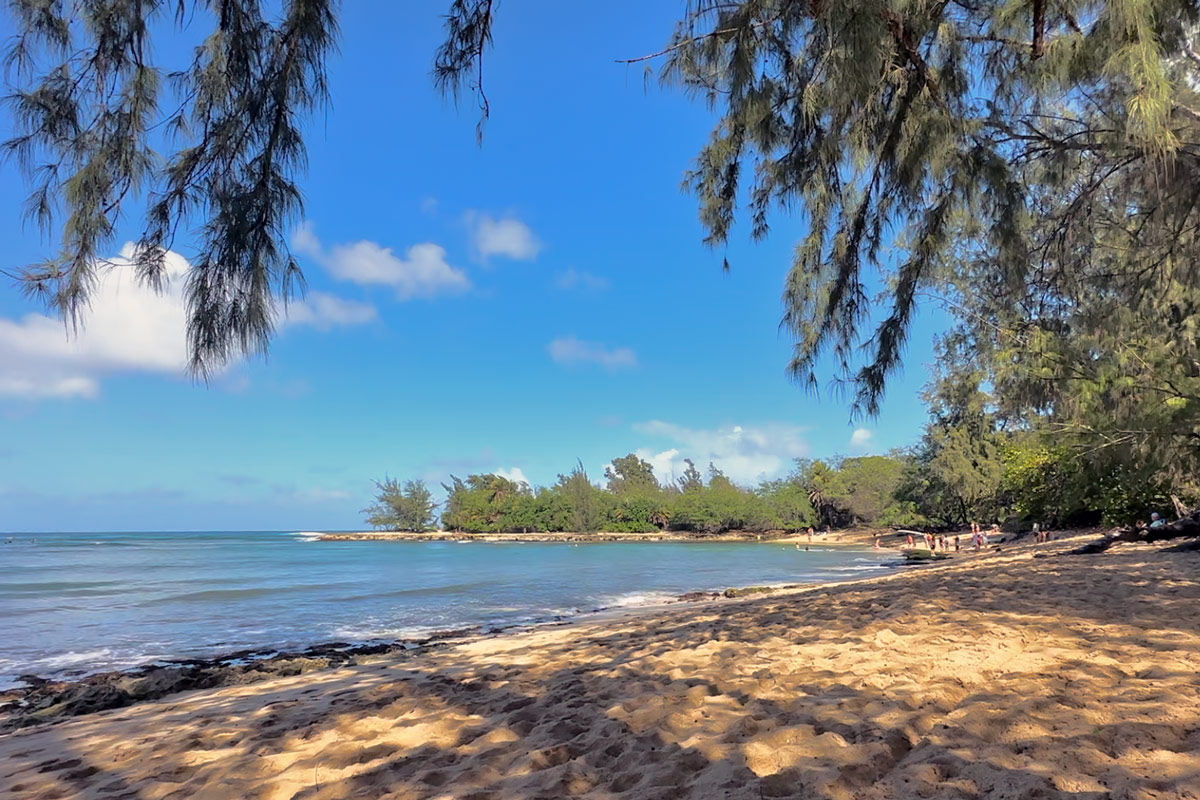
[515, 475]
[667, 464]
[129, 327]
[578, 279]
[861, 439]
[745, 454]
[324, 311]
[508, 237]
[571, 351]
[423, 271]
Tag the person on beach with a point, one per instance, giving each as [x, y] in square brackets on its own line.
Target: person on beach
[876, 542]
[810, 533]
[910, 541]
[956, 546]
[1156, 521]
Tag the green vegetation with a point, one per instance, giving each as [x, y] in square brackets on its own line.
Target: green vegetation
[966, 468]
[633, 501]
[401, 508]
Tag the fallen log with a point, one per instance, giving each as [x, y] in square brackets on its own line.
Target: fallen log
[1188, 526]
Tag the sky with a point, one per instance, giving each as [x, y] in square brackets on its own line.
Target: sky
[510, 307]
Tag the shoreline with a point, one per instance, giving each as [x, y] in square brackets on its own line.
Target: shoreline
[51, 700]
[1018, 673]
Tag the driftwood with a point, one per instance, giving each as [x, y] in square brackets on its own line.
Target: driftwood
[1185, 527]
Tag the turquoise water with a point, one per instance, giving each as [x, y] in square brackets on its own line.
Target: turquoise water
[73, 603]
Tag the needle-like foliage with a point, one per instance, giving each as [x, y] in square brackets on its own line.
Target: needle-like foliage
[92, 111]
[925, 143]
[1004, 157]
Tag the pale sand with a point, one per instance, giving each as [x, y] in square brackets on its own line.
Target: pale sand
[999, 676]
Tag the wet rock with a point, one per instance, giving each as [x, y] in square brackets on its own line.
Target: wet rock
[694, 597]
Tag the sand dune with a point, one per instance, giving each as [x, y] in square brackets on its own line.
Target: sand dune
[1001, 676]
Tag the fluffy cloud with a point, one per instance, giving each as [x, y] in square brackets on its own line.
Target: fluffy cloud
[129, 328]
[746, 454]
[578, 279]
[515, 475]
[324, 311]
[861, 439]
[572, 351]
[423, 271]
[508, 237]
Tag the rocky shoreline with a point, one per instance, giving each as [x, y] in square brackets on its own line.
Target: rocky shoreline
[44, 700]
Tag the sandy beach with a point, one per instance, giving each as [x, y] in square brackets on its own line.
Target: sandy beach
[999, 676]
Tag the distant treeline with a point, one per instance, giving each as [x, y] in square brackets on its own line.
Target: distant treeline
[963, 470]
[633, 500]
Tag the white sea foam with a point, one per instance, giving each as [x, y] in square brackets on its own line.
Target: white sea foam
[307, 536]
[67, 660]
[635, 599]
[864, 568]
[368, 633]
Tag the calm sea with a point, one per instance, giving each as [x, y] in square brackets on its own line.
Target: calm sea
[73, 603]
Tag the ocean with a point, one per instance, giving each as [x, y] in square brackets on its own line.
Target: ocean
[77, 603]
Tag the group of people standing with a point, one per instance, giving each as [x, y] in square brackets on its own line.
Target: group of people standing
[979, 537]
[934, 542]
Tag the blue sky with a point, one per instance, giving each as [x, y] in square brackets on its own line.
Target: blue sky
[515, 306]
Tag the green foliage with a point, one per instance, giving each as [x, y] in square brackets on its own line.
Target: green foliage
[719, 506]
[631, 475]
[584, 499]
[866, 486]
[90, 103]
[691, 480]
[824, 486]
[784, 505]
[1031, 166]
[485, 503]
[639, 512]
[401, 508]
[1039, 479]
[964, 470]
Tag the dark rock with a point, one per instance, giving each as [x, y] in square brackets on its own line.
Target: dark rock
[33, 680]
[748, 590]
[89, 698]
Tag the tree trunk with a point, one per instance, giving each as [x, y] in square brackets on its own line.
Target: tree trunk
[1188, 526]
